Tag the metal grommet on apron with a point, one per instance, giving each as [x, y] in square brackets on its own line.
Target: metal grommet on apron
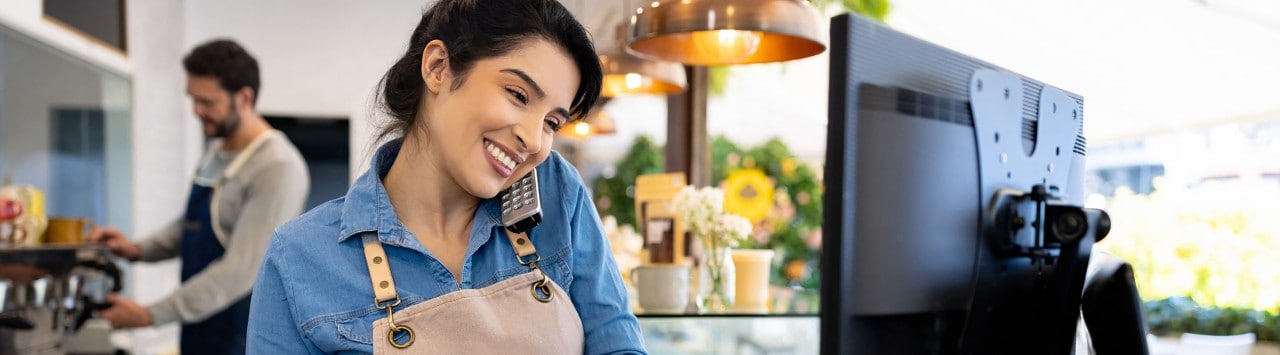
[528, 313]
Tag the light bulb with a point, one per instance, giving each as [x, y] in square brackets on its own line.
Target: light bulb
[634, 81]
[726, 46]
[582, 129]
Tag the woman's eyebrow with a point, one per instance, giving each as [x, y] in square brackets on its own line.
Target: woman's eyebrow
[523, 76]
[537, 90]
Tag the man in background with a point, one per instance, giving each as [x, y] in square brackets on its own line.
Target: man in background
[250, 180]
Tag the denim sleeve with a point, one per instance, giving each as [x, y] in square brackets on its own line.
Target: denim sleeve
[273, 327]
[597, 290]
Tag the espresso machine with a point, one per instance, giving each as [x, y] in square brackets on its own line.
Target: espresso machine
[47, 295]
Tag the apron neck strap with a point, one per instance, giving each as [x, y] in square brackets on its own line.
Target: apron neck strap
[247, 152]
[236, 162]
[523, 247]
[384, 287]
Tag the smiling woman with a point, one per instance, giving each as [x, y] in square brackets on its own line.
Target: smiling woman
[475, 102]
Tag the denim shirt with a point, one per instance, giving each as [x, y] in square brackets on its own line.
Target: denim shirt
[313, 293]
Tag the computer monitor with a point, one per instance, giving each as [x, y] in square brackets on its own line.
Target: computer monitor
[953, 202]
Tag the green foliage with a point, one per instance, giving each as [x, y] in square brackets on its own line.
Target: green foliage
[1182, 315]
[717, 80]
[721, 148]
[1214, 244]
[615, 195]
[876, 9]
[797, 181]
[800, 181]
[791, 235]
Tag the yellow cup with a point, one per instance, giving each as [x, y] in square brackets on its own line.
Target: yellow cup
[67, 230]
[751, 279]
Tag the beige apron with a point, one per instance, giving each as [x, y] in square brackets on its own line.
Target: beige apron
[527, 314]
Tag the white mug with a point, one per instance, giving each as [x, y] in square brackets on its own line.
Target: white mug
[662, 288]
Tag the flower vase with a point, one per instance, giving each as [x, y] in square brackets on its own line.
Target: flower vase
[720, 278]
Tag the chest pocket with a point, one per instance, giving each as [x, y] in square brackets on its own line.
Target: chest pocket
[359, 329]
[351, 331]
[343, 333]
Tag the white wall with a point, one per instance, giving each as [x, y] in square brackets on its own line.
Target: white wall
[318, 58]
[167, 146]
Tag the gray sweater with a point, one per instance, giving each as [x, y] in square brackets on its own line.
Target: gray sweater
[269, 189]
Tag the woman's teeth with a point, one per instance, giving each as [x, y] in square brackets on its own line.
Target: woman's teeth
[501, 156]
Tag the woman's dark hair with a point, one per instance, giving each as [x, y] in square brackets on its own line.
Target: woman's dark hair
[479, 29]
[227, 61]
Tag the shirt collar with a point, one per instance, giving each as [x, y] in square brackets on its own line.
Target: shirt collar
[367, 207]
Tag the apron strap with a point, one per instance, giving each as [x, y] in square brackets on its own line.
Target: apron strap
[247, 152]
[523, 247]
[229, 172]
[384, 287]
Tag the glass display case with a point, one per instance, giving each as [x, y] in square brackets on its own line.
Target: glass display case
[65, 129]
[66, 144]
[790, 327]
[730, 333]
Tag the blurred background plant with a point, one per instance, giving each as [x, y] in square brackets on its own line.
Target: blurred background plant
[614, 191]
[1174, 315]
[1203, 256]
[791, 224]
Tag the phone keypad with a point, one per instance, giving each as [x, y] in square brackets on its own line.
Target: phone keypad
[520, 202]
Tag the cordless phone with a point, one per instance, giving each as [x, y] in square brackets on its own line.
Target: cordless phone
[521, 204]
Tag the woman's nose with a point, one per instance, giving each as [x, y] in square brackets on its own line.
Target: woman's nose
[530, 136]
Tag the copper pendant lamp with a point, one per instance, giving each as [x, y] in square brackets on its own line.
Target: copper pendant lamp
[724, 32]
[597, 123]
[625, 74]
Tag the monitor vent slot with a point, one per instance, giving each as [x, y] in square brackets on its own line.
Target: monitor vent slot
[919, 104]
[939, 108]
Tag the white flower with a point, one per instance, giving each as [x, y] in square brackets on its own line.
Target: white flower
[698, 208]
[731, 229]
[702, 212]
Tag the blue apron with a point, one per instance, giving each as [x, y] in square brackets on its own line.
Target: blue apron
[223, 332]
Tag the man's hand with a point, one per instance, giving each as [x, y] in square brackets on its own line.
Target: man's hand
[116, 241]
[124, 313]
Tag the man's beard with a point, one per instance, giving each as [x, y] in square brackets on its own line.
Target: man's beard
[229, 124]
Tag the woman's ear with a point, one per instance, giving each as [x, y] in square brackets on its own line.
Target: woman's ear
[435, 65]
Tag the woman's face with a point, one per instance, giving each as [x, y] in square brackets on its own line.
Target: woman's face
[498, 125]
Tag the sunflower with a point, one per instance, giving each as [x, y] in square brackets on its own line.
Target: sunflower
[748, 193]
